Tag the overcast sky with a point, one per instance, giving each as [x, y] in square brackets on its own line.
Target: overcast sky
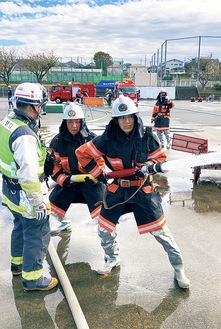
[128, 30]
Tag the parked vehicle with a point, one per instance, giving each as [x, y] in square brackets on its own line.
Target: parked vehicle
[104, 85]
[63, 93]
[126, 88]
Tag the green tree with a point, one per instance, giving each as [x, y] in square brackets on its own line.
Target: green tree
[7, 64]
[102, 61]
[39, 64]
[207, 70]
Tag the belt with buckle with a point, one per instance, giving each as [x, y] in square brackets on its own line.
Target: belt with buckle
[129, 183]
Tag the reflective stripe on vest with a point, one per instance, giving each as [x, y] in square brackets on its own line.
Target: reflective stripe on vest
[25, 211]
[7, 163]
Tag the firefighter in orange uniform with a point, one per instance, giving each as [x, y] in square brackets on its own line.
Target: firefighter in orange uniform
[161, 117]
[73, 132]
[125, 144]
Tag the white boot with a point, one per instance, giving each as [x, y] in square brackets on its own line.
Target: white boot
[168, 145]
[59, 224]
[111, 250]
[109, 265]
[180, 277]
[166, 239]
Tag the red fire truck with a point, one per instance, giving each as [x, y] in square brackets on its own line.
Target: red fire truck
[63, 93]
[126, 88]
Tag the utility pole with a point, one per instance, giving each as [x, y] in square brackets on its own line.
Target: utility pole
[198, 64]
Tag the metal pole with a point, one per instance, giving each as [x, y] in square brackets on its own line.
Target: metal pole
[122, 69]
[151, 64]
[198, 64]
[161, 62]
[154, 62]
[165, 58]
[157, 65]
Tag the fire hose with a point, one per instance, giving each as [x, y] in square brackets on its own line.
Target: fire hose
[73, 303]
[79, 178]
[159, 167]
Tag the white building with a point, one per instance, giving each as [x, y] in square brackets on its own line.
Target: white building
[135, 68]
[173, 66]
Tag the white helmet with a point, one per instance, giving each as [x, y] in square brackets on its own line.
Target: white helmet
[30, 93]
[162, 90]
[123, 106]
[73, 111]
[44, 91]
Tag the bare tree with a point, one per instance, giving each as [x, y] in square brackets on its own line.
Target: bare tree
[39, 64]
[208, 70]
[7, 63]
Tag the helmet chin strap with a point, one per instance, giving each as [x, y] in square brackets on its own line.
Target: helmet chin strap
[35, 111]
[38, 114]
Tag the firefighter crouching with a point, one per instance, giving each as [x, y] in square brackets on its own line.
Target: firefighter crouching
[73, 132]
[125, 144]
[22, 157]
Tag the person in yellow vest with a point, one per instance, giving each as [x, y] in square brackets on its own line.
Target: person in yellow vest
[24, 191]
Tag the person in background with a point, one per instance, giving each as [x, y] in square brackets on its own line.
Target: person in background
[109, 96]
[79, 96]
[24, 191]
[161, 117]
[85, 93]
[125, 144]
[73, 132]
[138, 95]
[45, 95]
[210, 98]
[10, 101]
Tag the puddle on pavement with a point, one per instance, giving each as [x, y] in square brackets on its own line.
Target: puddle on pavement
[202, 197]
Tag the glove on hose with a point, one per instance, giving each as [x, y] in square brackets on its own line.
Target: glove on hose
[67, 182]
[102, 178]
[40, 211]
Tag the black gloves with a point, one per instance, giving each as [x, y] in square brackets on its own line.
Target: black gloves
[90, 181]
[102, 179]
[67, 183]
[49, 163]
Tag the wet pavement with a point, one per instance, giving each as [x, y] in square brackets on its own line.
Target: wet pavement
[142, 293]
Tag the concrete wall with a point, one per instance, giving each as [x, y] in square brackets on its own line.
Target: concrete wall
[145, 79]
[152, 92]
